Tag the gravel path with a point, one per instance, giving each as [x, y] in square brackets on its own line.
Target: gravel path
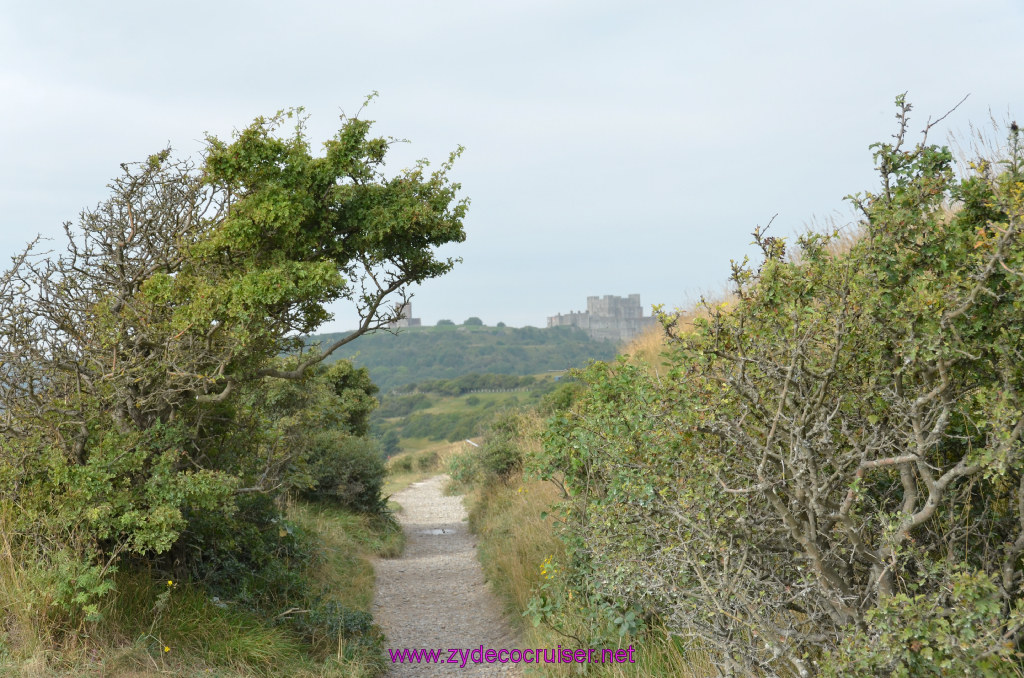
[435, 596]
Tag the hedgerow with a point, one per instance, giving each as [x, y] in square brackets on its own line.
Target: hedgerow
[830, 479]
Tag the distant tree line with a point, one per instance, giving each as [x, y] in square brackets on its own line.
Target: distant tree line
[469, 383]
[428, 353]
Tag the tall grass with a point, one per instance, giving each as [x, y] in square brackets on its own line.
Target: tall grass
[25, 637]
[514, 537]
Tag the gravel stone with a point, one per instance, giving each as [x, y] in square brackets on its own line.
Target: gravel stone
[434, 595]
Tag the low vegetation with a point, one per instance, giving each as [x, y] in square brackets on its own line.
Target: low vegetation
[413, 466]
[822, 476]
[149, 624]
[424, 413]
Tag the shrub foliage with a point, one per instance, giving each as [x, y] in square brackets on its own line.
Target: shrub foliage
[133, 363]
[831, 477]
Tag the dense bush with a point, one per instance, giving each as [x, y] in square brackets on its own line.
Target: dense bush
[501, 454]
[347, 471]
[960, 632]
[135, 356]
[463, 468]
[831, 477]
[321, 424]
[254, 558]
[561, 397]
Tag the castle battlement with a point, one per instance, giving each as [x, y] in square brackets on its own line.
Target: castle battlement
[608, 318]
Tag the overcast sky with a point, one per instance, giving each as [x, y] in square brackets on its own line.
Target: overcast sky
[611, 147]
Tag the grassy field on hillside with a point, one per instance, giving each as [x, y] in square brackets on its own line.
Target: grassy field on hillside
[430, 418]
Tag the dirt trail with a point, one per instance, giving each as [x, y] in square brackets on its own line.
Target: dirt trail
[435, 596]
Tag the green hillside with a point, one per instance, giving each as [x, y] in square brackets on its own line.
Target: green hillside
[421, 414]
[418, 354]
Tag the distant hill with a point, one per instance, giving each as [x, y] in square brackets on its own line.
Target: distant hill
[418, 354]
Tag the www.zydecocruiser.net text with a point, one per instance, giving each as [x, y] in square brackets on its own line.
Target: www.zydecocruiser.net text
[462, 656]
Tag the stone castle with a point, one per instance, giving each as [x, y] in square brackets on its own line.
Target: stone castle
[608, 318]
[406, 320]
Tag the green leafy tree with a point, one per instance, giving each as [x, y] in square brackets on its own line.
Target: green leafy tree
[474, 322]
[122, 358]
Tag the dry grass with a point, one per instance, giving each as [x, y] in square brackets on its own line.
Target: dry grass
[648, 348]
[514, 538]
[24, 622]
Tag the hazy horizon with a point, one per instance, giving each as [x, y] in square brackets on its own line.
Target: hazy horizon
[609, 149]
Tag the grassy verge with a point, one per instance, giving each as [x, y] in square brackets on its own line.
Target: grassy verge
[153, 626]
[514, 539]
[407, 468]
[516, 544]
[522, 557]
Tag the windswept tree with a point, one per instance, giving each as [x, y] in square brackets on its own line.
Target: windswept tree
[121, 354]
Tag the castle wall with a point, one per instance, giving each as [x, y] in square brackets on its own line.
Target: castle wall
[610, 306]
[608, 318]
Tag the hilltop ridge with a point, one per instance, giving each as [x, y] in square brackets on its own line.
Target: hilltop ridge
[416, 354]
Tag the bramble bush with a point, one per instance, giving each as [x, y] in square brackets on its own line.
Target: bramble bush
[830, 479]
